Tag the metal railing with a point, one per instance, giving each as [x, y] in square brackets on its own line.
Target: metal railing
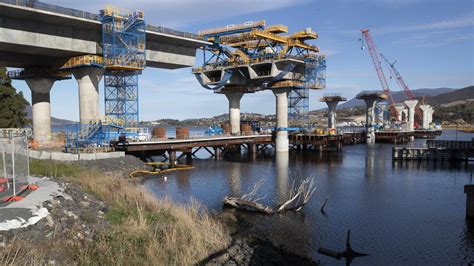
[87, 15]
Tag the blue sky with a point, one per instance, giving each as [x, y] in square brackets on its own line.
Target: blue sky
[432, 41]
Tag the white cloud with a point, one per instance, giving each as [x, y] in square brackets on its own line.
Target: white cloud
[454, 23]
[435, 38]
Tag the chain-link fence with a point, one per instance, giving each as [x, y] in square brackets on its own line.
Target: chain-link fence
[14, 164]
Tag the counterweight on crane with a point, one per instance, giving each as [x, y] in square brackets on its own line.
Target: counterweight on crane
[378, 68]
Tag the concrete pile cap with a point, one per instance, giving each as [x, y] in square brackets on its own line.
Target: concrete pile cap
[372, 95]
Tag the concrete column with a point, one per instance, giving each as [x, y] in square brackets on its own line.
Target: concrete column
[426, 113]
[282, 141]
[399, 112]
[430, 115]
[234, 110]
[41, 107]
[411, 113]
[332, 105]
[369, 119]
[88, 79]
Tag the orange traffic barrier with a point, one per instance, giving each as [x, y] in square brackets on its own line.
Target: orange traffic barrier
[29, 187]
[12, 198]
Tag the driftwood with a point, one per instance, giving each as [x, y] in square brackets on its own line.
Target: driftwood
[298, 197]
[247, 205]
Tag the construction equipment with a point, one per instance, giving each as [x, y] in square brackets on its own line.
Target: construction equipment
[123, 36]
[403, 85]
[374, 54]
[236, 47]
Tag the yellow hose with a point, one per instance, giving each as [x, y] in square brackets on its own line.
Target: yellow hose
[144, 172]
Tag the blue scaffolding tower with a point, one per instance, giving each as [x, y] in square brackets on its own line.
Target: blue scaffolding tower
[298, 99]
[123, 37]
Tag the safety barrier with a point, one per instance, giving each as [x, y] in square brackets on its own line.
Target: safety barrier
[14, 164]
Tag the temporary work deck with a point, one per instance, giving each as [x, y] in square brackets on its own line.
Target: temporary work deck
[156, 147]
[436, 150]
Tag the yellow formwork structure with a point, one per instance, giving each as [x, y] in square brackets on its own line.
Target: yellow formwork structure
[83, 60]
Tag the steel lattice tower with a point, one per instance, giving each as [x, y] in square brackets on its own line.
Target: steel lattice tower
[123, 35]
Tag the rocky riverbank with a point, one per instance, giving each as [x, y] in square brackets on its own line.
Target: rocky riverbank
[103, 213]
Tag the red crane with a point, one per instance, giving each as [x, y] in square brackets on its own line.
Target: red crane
[378, 67]
[403, 85]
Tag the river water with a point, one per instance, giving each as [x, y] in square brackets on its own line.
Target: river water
[410, 213]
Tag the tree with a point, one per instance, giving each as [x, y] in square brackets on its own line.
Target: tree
[12, 104]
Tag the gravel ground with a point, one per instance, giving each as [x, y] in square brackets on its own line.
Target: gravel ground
[123, 165]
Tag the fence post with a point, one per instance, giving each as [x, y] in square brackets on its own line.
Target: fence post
[27, 157]
[4, 163]
[13, 163]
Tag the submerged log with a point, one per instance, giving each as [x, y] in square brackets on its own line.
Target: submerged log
[247, 205]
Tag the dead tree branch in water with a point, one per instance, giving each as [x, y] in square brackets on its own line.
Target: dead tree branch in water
[298, 197]
[247, 201]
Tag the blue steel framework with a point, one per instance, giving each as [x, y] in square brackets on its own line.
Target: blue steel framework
[123, 36]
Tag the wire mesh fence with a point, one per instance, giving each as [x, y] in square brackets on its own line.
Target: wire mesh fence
[14, 163]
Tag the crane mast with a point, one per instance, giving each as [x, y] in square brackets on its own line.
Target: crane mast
[378, 68]
[403, 85]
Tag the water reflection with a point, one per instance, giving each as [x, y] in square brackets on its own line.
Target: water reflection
[282, 160]
[234, 176]
[400, 213]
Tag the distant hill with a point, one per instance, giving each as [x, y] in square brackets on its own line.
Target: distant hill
[54, 120]
[460, 96]
[399, 96]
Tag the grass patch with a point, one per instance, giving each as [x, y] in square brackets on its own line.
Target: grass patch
[143, 230]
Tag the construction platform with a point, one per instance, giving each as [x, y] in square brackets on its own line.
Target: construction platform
[436, 150]
[404, 136]
[218, 146]
[325, 142]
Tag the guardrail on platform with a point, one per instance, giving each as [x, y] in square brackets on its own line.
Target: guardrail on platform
[87, 15]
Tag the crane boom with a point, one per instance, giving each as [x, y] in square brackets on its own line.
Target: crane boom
[403, 85]
[378, 68]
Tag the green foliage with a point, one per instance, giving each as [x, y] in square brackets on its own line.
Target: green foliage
[55, 169]
[12, 104]
[456, 112]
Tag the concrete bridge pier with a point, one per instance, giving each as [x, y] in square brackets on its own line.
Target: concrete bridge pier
[369, 118]
[282, 142]
[426, 112]
[88, 79]
[41, 107]
[411, 113]
[370, 98]
[400, 109]
[430, 115]
[234, 111]
[332, 101]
